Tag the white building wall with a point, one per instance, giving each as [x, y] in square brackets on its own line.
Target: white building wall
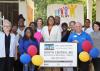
[23, 10]
[97, 10]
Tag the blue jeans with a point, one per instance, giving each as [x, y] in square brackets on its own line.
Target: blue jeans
[28, 67]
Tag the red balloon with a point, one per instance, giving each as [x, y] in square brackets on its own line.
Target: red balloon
[87, 46]
[32, 50]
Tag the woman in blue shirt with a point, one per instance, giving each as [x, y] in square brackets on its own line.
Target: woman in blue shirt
[26, 41]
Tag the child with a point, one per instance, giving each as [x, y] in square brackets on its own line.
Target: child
[25, 42]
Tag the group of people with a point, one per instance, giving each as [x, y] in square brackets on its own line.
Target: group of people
[15, 40]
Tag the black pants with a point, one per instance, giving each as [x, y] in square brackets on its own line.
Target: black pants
[82, 66]
[96, 63]
[6, 64]
[18, 66]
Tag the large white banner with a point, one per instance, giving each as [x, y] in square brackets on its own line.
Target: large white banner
[67, 13]
[59, 54]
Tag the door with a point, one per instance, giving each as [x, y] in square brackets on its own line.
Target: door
[10, 11]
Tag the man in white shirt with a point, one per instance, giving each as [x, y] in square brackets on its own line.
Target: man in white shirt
[57, 22]
[87, 28]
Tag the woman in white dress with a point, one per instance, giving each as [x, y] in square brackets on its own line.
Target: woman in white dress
[51, 33]
[39, 24]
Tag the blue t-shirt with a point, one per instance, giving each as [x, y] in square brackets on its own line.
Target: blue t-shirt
[80, 38]
[24, 44]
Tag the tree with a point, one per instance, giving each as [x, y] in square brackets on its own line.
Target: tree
[94, 11]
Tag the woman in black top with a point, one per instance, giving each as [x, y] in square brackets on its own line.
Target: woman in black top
[7, 47]
[65, 32]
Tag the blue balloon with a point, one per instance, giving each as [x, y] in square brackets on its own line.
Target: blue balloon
[25, 58]
[94, 52]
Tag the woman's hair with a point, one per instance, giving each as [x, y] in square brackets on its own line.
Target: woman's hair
[64, 24]
[34, 26]
[32, 23]
[15, 25]
[72, 22]
[49, 18]
[31, 32]
[39, 19]
[97, 23]
[21, 17]
[7, 21]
